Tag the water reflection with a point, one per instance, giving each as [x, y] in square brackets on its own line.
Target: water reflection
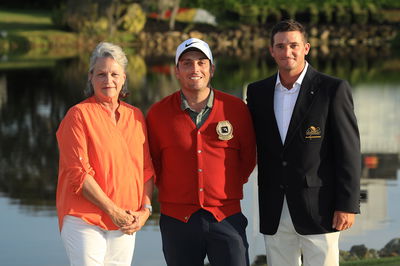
[34, 100]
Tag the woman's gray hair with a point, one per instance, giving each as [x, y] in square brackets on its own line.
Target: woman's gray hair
[106, 49]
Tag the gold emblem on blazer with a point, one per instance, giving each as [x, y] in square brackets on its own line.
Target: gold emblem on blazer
[224, 130]
[313, 133]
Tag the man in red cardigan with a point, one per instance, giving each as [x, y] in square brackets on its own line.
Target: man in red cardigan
[203, 148]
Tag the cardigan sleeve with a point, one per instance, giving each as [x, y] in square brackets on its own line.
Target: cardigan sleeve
[247, 144]
[154, 147]
[148, 169]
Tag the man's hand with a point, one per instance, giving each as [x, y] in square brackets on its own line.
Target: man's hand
[342, 220]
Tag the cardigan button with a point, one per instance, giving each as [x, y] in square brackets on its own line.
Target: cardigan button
[198, 151]
[201, 189]
[200, 170]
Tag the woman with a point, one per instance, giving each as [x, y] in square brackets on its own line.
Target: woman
[105, 173]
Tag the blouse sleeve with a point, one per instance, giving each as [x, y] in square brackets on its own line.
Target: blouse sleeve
[72, 142]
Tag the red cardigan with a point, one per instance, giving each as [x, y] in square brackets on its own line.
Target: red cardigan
[194, 168]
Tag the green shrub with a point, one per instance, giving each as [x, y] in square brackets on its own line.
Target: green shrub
[326, 13]
[97, 16]
[248, 14]
[288, 11]
[360, 15]
[342, 14]
[314, 13]
[308, 14]
[134, 19]
[58, 17]
[274, 15]
[396, 41]
[263, 14]
[374, 13]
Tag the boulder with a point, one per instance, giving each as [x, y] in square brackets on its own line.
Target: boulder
[260, 260]
[391, 249]
[347, 256]
[362, 252]
[359, 250]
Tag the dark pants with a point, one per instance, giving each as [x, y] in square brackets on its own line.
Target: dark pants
[187, 244]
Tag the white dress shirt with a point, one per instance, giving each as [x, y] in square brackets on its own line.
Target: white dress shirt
[284, 102]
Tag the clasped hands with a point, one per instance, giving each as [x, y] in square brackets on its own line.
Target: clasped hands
[129, 221]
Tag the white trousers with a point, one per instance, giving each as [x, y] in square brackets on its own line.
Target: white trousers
[89, 245]
[287, 246]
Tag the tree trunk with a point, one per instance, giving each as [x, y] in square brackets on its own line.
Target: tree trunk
[112, 13]
[174, 12]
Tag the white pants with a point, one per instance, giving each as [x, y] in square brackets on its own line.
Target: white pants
[287, 246]
[89, 245]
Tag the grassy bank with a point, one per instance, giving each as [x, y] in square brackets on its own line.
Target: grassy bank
[32, 32]
[14, 21]
[392, 261]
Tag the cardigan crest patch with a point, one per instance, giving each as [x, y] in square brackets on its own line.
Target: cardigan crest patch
[224, 130]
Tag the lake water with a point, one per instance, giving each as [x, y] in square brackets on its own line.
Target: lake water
[34, 97]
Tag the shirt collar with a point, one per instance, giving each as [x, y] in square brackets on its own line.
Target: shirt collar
[185, 104]
[296, 85]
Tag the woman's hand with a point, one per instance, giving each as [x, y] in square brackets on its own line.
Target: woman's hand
[140, 219]
[122, 218]
[93, 192]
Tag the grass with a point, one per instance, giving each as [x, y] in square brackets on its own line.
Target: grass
[12, 20]
[392, 261]
[26, 64]
[29, 25]
[30, 39]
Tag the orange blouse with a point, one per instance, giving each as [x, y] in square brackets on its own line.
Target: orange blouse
[116, 156]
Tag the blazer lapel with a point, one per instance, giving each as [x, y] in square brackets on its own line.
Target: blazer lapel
[307, 93]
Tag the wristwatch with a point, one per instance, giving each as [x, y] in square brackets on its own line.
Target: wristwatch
[148, 206]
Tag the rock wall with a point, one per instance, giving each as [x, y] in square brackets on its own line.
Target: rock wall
[248, 40]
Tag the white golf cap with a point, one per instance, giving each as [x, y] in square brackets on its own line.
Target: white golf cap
[196, 44]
